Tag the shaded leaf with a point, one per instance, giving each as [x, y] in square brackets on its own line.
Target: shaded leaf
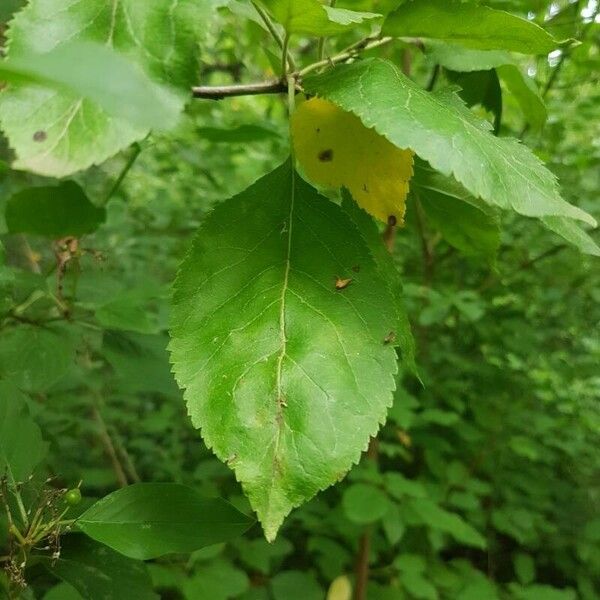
[35, 358]
[295, 585]
[21, 445]
[147, 520]
[53, 211]
[217, 581]
[364, 503]
[466, 223]
[525, 93]
[95, 571]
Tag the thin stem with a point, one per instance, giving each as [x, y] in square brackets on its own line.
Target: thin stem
[271, 27]
[284, 56]
[264, 16]
[109, 447]
[323, 40]
[137, 148]
[364, 546]
[350, 52]
[249, 89]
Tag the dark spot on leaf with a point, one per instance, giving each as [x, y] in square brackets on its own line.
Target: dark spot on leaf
[40, 136]
[365, 188]
[392, 220]
[326, 155]
[318, 130]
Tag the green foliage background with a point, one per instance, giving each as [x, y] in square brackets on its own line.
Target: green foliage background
[486, 481]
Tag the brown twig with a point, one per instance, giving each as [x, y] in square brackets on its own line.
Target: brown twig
[109, 447]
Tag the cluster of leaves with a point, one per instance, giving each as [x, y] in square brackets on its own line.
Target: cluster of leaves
[484, 481]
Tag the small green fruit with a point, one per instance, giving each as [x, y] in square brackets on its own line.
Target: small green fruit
[73, 497]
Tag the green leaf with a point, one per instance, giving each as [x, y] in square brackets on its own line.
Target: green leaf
[21, 445]
[217, 581]
[525, 93]
[364, 503]
[441, 130]
[147, 520]
[58, 133]
[255, 312]
[480, 88]
[95, 571]
[518, 84]
[402, 334]
[53, 211]
[97, 73]
[457, 58]
[464, 222]
[35, 358]
[295, 585]
[573, 234]
[524, 566]
[311, 17]
[62, 591]
[469, 25]
[440, 519]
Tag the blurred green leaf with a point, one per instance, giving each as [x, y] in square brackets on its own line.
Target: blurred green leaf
[468, 24]
[364, 503]
[95, 571]
[53, 211]
[21, 445]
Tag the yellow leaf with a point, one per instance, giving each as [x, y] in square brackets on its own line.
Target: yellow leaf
[335, 149]
[340, 589]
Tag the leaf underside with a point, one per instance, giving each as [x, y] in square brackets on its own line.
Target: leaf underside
[287, 376]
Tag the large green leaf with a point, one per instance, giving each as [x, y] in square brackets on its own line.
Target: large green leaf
[53, 211]
[468, 24]
[441, 130]
[95, 571]
[102, 76]
[21, 444]
[311, 17]
[147, 520]
[402, 334]
[58, 133]
[287, 376]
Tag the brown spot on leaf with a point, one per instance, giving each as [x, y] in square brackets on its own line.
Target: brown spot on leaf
[342, 284]
[326, 155]
[390, 338]
[392, 220]
[40, 136]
